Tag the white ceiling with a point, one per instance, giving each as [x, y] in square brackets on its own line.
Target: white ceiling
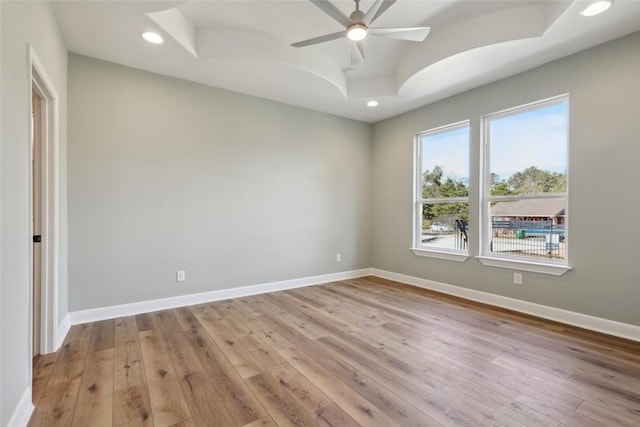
[244, 46]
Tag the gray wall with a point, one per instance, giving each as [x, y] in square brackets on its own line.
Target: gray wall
[165, 175]
[604, 202]
[23, 23]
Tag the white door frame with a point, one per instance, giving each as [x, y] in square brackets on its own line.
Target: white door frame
[40, 83]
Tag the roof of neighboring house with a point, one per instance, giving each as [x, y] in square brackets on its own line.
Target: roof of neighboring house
[529, 207]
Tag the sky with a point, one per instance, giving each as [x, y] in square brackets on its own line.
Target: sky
[534, 138]
[447, 149]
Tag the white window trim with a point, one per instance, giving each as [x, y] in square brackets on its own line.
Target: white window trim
[441, 254]
[488, 258]
[418, 249]
[522, 265]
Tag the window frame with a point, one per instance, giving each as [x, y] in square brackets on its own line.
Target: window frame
[486, 256]
[417, 247]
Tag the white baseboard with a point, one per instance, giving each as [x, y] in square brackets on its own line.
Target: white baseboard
[112, 312]
[23, 411]
[610, 327]
[62, 331]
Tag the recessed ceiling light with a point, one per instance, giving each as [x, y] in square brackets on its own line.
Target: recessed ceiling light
[596, 8]
[152, 37]
[373, 103]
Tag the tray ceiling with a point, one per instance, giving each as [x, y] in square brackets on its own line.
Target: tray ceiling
[244, 46]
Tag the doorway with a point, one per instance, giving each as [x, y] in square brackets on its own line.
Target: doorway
[36, 217]
[44, 196]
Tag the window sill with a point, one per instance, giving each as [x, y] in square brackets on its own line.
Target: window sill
[535, 267]
[449, 256]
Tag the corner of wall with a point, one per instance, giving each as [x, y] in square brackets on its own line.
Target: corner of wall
[23, 411]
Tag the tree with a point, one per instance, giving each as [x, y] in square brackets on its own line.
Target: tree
[533, 180]
[434, 187]
[431, 181]
[530, 181]
[499, 187]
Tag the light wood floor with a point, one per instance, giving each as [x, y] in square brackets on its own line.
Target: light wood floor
[360, 352]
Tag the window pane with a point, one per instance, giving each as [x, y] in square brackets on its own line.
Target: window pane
[541, 236]
[528, 151]
[445, 225]
[445, 163]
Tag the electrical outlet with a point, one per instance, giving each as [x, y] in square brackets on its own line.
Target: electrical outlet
[517, 278]
[338, 257]
[181, 276]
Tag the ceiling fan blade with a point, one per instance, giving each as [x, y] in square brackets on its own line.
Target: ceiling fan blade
[415, 34]
[372, 12]
[332, 11]
[378, 8]
[357, 53]
[321, 39]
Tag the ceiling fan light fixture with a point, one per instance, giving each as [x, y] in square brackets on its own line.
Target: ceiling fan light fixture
[373, 103]
[152, 37]
[596, 8]
[357, 31]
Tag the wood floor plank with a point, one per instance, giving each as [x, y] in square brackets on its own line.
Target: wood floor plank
[359, 352]
[297, 384]
[363, 352]
[359, 408]
[304, 326]
[311, 316]
[246, 365]
[198, 390]
[57, 404]
[95, 400]
[372, 390]
[605, 416]
[486, 391]
[186, 423]
[186, 318]
[37, 389]
[464, 409]
[398, 379]
[132, 406]
[129, 370]
[263, 422]
[43, 364]
[283, 406]
[168, 404]
[256, 327]
[181, 354]
[103, 337]
[205, 401]
[144, 322]
[232, 393]
[334, 416]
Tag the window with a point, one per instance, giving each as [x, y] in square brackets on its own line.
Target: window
[525, 184]
[442, 192]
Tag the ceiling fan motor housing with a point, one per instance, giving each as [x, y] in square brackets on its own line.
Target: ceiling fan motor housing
[357, 30]
[357, 17]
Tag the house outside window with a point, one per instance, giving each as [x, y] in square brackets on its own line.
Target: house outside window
[441, 212]
[525, 174]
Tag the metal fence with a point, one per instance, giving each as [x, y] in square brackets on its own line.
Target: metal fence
[462, 234]
[536, 239]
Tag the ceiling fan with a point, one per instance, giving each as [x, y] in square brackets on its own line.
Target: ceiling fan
[357, 27]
